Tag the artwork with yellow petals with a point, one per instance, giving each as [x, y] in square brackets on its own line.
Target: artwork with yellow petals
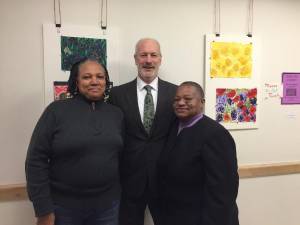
[230, 60]
[232, 63]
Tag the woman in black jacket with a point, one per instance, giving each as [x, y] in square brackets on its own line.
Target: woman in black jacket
[72, 161]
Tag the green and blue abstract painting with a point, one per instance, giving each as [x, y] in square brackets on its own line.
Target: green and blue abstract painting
[74, 48]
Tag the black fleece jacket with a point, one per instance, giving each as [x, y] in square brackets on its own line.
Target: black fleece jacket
[73, 156]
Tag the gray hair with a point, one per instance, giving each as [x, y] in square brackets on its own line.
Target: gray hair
[146, 39]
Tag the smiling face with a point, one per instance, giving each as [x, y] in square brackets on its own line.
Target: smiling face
[187, 102]
[148, 59]
[91, 80]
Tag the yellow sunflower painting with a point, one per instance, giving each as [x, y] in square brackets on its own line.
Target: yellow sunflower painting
[231, 60]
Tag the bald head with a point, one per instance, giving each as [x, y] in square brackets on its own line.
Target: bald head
[147, 40]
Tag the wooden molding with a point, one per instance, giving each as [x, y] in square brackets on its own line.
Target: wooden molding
[271, 169]
[17, 192]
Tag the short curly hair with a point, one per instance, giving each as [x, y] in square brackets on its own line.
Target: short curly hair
[195, 85]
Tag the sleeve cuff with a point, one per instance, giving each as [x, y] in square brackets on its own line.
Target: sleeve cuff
[43, 207]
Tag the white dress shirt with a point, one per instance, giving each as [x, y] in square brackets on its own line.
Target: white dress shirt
[141, 93]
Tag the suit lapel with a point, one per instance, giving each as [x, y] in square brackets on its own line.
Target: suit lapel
[132, 100]
[161, 96]
[172, 137]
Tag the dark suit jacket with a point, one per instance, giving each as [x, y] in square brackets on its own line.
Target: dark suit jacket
[198, 176]
[138, 164]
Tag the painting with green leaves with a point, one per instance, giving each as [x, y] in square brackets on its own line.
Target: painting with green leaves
[74, 48]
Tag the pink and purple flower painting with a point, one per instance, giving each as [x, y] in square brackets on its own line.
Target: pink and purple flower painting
[236, 105]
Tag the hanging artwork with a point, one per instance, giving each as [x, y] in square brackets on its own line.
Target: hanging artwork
[60, 90]
[74, 48]
[230, 59]
[71, 43]
[231, 81]
[236, 105]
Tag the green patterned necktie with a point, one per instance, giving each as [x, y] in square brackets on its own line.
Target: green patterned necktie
[148, 109]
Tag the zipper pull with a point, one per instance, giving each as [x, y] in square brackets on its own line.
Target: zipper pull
[93, 106]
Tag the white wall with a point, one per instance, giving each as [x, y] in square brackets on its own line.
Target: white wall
[180, 26]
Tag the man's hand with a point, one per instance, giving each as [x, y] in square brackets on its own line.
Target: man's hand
[46, 220]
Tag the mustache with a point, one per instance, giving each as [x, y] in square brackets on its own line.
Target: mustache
[148, 66]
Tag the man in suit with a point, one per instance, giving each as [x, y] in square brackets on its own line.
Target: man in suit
[147, 105]
[198, 178]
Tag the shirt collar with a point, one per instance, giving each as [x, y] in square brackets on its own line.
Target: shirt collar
[190, 122]
[141, 84]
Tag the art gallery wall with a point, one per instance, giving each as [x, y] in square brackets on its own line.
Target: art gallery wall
[180, 26]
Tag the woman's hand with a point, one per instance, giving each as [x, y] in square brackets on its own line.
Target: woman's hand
[46, 220]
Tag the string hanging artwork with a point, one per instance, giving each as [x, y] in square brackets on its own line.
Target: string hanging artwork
[217, 20]
[103, 15]
[57, 15]
[250, 18]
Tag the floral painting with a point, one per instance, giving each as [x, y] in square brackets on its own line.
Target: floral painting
[236, 105]
[230, 60]
[74, 48]
[60, 90]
